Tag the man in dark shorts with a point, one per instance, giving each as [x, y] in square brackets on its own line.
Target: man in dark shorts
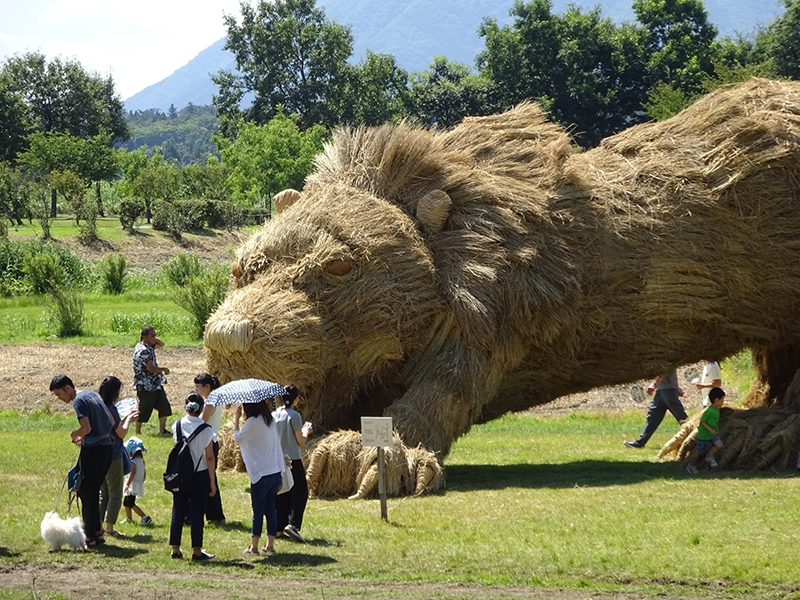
[149, 380]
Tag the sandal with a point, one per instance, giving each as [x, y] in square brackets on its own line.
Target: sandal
[267, 551]
[250, 550]
[116, 534]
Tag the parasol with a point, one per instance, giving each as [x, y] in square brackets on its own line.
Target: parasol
[244, 391]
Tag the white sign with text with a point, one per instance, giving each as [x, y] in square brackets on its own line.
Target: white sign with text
[376, 431]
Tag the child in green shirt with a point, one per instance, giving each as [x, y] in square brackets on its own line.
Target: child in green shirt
[708, 440]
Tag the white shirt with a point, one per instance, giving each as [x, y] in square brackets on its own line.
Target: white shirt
[261, 448]
[711, 372]
[214, 421]
[198, 445]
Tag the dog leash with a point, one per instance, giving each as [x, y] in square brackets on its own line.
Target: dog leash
[73, 494]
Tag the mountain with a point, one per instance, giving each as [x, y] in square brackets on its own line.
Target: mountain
[415, 31]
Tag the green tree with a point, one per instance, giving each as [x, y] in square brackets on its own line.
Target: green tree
[15, 192]
[678, 42]
[778, 45]
[13, 122]
[61, 96]
[266, 159]
[289, 54]
[376, 91]
[447, 92]
[159, 180]
[581, 68]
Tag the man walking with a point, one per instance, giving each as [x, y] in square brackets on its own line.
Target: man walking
[149, 380]
[667, 398]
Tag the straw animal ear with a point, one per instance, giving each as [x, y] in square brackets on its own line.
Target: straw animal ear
[433, 210]
[285, 199]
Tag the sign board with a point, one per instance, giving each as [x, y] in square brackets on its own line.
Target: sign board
[376, 431]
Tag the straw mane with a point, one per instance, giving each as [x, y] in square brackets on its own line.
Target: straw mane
[444, 279]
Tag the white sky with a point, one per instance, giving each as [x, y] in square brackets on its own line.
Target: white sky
[138, 42]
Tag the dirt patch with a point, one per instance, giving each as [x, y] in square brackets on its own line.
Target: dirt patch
[26, 371]
[91, 584]
[148, 250]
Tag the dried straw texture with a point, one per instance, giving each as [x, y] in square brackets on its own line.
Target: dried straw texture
[339, 466]
[756, 438]
[230, 458]
[445, 279]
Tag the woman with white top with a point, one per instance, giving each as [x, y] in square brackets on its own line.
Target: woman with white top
[193, 502]
[263, 458]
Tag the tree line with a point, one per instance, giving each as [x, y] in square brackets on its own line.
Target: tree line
[63, 131]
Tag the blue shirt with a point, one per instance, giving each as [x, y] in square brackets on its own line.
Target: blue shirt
[89, 404]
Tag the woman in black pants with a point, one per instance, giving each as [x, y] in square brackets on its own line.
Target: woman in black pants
[294, 434]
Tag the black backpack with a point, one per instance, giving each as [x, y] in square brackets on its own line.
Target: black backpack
[179, 476]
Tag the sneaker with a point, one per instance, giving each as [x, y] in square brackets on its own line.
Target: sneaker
[294, 534]
[203, 556]
[635, 444]
[146, 520]
[176, 555]
[126, 520]
[692, 470]
[712, 462]
[164, 433]
[250, 550]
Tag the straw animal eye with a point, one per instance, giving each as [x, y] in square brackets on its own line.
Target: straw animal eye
[338, 267]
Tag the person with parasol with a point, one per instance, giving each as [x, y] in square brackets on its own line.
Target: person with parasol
[261, 450]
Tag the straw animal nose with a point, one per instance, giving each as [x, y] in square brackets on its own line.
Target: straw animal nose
[227, 336]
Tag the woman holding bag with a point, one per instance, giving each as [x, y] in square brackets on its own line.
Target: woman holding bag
[293, 435]
[263, 458]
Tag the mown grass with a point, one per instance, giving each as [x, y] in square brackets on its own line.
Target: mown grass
[555, 503]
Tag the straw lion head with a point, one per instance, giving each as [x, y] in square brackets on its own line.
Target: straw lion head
[334, 293]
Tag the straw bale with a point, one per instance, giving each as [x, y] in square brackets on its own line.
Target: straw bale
[230, 458]
[549, 271]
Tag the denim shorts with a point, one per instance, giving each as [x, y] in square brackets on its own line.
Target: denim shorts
[703, 445]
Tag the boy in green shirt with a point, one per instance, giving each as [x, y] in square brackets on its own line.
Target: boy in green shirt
[708, 440]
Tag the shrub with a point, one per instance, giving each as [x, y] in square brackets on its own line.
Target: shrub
[202, 294]
[178, 217]
[44, 272]
[88, 227]
[113, 270]
[17, 279]
[129, 210]
[182, 267]
[66, 312]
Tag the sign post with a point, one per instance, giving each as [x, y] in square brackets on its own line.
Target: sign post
[377, 431]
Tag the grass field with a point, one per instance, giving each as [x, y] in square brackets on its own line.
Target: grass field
[554, 504]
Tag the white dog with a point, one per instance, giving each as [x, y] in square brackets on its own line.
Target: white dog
[60, 532]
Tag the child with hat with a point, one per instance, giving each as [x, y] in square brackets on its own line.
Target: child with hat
[134, 485]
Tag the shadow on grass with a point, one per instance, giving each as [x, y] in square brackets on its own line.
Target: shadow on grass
[298, 559]
[6, 553]
[466, 478]
[115, 551]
